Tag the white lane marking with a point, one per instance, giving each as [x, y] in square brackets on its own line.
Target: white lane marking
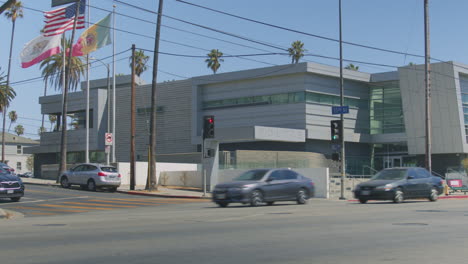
[39, 201]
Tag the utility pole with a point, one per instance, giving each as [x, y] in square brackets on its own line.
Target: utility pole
[343, 163]
[428, 86]
[63, 141]
[132, 124]
[152, 140]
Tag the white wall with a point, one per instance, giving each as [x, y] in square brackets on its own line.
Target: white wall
[141, 171]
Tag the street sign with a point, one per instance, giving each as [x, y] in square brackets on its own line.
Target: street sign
[62, 2]
[336, 147]
[109, 139]
[336, 110]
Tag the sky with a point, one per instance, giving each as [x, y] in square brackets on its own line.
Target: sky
[392, 25]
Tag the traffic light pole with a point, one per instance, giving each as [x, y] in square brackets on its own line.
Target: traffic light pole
[343, 168]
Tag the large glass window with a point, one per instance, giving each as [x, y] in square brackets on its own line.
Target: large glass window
[386, 108]
[464, 96]
[77, 120]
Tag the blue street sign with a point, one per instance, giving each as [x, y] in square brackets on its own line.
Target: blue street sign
[336, 110]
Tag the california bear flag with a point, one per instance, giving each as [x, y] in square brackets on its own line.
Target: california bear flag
[39, 49]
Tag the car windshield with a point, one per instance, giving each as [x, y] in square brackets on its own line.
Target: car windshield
[390, 175]
[109, 169]
[252, 175]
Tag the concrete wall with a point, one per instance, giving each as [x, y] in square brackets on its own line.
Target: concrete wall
[141, 171]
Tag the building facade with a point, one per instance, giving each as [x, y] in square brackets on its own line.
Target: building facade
[15, 155]
[280, 108]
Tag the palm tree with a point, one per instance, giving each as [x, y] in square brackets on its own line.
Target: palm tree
[52, 120]
[352, 67]
[13, 117]
[296, 51]
[19, 130]
[214, 59]
[52, 70]
[13, 12]
[6, 93]
[140, 62]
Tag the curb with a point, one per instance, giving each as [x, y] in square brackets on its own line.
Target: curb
[36, 183]
[164, 195]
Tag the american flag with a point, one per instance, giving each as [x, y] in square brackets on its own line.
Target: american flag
[62, 19]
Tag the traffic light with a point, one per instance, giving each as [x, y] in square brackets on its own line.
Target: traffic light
[336, 129]
[208, 127]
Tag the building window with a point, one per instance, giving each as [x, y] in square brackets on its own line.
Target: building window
[19, 149]
[386, 109]
[18, 166]
[77, 120]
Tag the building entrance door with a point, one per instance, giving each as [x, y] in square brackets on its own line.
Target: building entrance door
[390, 162]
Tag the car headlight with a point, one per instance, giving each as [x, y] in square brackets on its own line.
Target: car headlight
[386, 187]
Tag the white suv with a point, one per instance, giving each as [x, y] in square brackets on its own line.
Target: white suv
[91, 176]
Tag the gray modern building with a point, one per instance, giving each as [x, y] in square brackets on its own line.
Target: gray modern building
[280, 108]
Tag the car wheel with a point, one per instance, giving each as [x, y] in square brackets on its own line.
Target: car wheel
[363, 201]
[91, 185]
[270, 203]
[434, 195]
[15, 199]
[256, 198]
[64, 182]
[398, 196]
[222, 204]
[301, 196]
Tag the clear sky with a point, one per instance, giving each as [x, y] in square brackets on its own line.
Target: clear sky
[395, 25]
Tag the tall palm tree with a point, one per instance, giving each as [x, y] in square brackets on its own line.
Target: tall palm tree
[41, 130]
[13, 117]
[352, 67]
[19, 130]
[52, 120]
[214, 59]
[296, 51]
[6, 93]
[140, 62]
[52, 70]
[13, 12]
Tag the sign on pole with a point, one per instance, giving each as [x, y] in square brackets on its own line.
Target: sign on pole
[62, 2]
[336, 110]
[109, 139]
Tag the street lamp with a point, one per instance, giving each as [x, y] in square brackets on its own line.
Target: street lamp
[108, 105]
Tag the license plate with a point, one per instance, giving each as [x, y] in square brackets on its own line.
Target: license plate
[112, 176]
[365, 192]
[221, 196]
[10, 191]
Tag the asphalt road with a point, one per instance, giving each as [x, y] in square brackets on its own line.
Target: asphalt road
[320, 232]
[54, 200]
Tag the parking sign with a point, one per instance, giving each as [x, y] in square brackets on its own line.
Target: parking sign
[109, 139]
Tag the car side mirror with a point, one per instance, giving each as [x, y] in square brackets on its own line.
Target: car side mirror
[410, 177]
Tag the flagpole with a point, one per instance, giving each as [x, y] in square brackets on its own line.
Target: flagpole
[87, 92]
[113, 85]
[64, 57]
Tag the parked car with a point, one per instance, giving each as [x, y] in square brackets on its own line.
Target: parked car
[264, 186]
[398, 184]
[9, 169]
[26, 175]
[91, 176]
[11, 186]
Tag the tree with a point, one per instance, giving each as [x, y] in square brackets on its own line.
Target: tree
[30, 163]
[19, 130]
[52, 70]
[214, 59]
[13, 117]
[52, 120]
[352, 67]
[13, 12]
[41, 130]
[296, 51]
[6, 93]
[140, 62]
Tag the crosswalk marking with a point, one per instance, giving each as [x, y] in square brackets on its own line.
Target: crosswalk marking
[77, 207]
[122, 202]
[50, 209]
[171, 201]
[100, 205]
[38, 213]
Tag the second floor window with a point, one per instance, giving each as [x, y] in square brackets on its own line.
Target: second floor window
[19, 149]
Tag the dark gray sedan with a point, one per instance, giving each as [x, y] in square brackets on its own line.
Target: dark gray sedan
[259, 186]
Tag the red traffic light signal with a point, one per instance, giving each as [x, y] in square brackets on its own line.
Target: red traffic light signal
[208, 127]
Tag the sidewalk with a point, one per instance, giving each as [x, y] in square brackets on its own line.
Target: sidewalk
[163, 191]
